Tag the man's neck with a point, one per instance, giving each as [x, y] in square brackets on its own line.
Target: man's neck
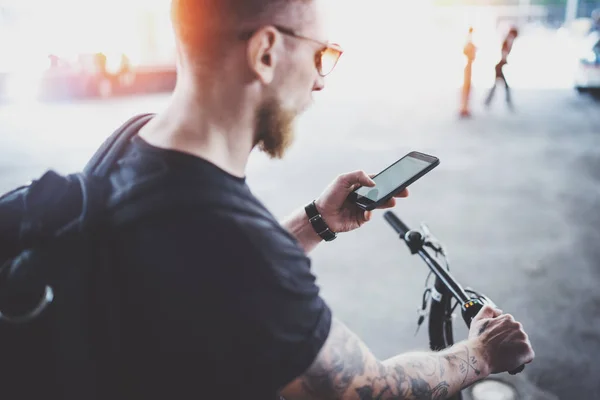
[219, 130]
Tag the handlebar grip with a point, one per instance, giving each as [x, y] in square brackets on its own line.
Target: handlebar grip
[517, 371]
[471, 309]
[399, 226]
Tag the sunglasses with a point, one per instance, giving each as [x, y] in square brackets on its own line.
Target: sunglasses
[326, 57]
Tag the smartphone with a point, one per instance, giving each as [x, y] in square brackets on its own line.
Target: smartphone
[394, 179]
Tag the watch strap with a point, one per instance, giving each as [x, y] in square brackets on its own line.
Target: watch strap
[318, 223]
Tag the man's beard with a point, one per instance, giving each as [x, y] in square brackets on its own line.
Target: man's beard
[274, 128]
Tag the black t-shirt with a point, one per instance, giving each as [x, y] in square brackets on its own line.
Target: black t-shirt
[218, 302]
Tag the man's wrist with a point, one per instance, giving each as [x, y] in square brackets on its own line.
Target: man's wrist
[299, 226]
[477, 348]
[318, 223]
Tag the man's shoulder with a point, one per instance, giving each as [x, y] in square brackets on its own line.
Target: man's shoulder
[202, 209]
[235, 241]
[155, 192]
[148, 182]
[195, 208]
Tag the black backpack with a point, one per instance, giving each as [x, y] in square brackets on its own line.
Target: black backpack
[59, 319]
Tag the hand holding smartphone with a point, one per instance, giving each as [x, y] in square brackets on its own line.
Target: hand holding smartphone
[394, 179]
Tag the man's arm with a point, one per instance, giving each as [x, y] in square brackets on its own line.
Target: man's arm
[339, 214]
[299, 226]
[346, 369]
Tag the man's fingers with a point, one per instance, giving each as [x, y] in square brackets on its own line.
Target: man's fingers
[530, 355]
[487, 312]
[366, 216]
[403, 193]
[391, 203]
[357, 177]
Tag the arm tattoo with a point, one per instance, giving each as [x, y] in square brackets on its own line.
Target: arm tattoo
[346, 368]
[395, 383]
[332, 376]
[422, 390]
[465, 364]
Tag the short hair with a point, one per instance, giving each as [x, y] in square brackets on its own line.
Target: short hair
[201, 26]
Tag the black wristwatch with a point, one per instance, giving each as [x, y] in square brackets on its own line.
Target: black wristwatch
[318, 223]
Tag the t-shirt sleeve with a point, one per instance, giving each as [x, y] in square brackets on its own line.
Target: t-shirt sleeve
[288, 319]
[237, 294]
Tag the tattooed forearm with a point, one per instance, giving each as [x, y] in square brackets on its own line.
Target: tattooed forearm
[465, 363]
[395, 383]
[346, 369]
[337, 367]
[413, 376]
[428, 366]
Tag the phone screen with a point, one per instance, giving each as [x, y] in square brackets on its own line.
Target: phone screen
[395, 176]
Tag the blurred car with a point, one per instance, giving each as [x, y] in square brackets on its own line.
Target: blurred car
[88, 75]
[587, 77]
[52, 77]
[84, 76]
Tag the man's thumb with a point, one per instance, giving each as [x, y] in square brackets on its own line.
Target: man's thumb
[365, 180]
[487, 312]
[356, 178]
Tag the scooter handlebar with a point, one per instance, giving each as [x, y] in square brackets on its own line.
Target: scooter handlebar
[399, 226]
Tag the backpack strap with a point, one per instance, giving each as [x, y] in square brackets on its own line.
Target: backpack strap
[95, 187]
[110, 151]
[57, 205]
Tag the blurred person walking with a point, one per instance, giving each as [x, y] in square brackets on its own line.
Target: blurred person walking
[469, 51]
[595, 21]
[506, 49]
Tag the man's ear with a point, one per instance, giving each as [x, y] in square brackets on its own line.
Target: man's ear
[261, 53]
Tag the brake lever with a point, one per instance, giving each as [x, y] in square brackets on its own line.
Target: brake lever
[431, 241]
